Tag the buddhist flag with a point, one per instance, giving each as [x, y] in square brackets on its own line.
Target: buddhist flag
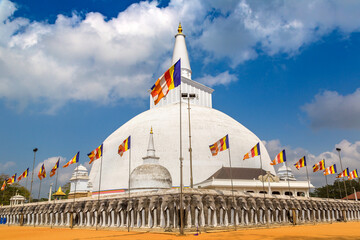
[353, 174]
[12, 179]
[220, 145]
[344, 173]
[75, 159]
[280, 158]
[169, 80]
[330, 170]
[319, 166]
[96, 154]
[124, 146]
[53, 170]
[23, 175]
[3, 186]
[42, 172]
[255, 151]
[301, 163]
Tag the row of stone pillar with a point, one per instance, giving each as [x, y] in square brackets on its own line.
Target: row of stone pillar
[200, 210]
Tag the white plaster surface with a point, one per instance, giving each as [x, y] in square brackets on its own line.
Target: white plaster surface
[208, 126]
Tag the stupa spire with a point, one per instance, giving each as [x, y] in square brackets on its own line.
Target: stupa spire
[180, 28]
[180, 51]
[151, 148]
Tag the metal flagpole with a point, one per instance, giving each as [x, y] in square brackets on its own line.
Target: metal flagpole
[307, 176]
[181, 172]
[339, 189]
[26, 182]
[232, 185]
[57, 175]
[37, 204]
[342, 170]
[2, 196]
[8, 220]
[99, 182]
[287, 174]
[128, 213]
[190, 149]
[32, 174]
[72, 214]
[263, 176]
[327, 187]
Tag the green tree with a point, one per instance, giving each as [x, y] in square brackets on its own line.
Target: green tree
[11, 190]
[337, 189]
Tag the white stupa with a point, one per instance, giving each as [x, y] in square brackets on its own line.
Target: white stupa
[208, 125]
[150, 175]
[285, 173]
[79, 182]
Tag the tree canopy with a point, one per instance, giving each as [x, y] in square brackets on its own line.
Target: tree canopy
[337, 189]
[11, 190]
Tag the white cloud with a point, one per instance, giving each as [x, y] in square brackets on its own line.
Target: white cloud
[103, 60]
[7, 165]
[350, 154]
[86, 59]
[224, 78]
[329, 109]
[63, 177]
[273, 26]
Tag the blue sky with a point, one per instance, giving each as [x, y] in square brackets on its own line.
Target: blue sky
[75, 71]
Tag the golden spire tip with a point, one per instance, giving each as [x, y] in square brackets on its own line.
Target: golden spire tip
[151, 131]
[179, 28]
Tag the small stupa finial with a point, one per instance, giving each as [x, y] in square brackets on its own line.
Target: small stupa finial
[150, 157]
[180, 28]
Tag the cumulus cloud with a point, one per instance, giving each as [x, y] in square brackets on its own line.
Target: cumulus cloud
[239, 30]
[88, 59]
[93, 58]
[63, 178]
[329, 109]
[350, 153]
[7, 165]
[224, 78]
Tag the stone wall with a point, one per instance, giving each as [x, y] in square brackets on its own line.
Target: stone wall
[202, 209]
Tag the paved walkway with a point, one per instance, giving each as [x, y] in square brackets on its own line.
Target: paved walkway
[338, 231]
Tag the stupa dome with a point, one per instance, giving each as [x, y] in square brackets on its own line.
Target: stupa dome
[207, 126]
[150, 177]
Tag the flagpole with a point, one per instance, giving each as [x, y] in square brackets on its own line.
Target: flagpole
[2, 196]
[307, 176]
[190, 149]
[72, 215]
[37, 204]
[32, 174]
[263, 176]
[287, 174]
[3, 193]
[232, 185]
[26, 182]
[57, 175]
[128, 214]
[327, 187]
[339, 189]
[181, 171]
[8, 220]
[342, 170]
[99, 183]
